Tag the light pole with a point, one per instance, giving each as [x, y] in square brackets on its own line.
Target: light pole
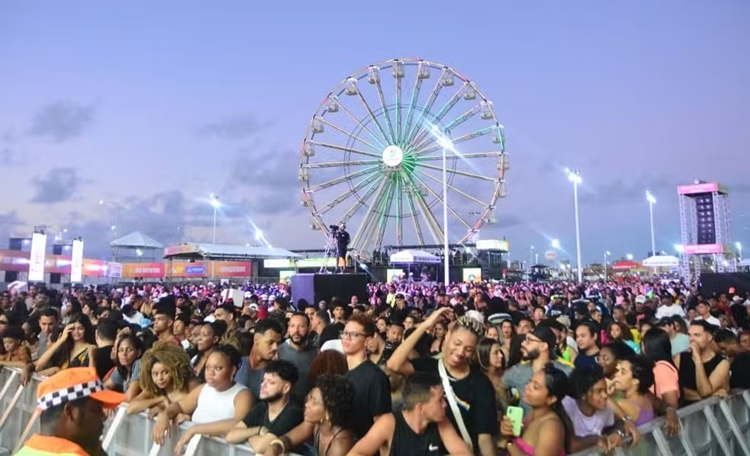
[575, 178]
[606, 255]
[445, 143]
[216, 204]
[531, 257]
[114, 227]
[651, 201]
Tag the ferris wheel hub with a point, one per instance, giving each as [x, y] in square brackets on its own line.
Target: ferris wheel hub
[393, 156]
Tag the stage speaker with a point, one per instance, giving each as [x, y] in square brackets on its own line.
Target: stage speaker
[322, 287]
[706, 229]
[11, 276]
[55, 278]
[16, 243]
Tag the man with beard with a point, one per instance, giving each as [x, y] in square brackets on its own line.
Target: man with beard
[274, 415]
[538, 349]
[299, 351]
[266, 342]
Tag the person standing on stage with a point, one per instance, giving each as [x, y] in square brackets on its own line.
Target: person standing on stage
[342, 244]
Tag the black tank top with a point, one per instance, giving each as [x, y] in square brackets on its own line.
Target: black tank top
[406, 442]
[687, 370]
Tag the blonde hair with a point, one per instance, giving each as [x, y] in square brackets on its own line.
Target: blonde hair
[171, 356]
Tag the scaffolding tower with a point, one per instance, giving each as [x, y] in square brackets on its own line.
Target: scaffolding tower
[706, 229]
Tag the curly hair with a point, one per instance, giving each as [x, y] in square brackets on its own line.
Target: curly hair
[174, 358]
[338, 398]
[329, 362]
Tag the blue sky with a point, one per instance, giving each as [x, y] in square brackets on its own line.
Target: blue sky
[154, 105]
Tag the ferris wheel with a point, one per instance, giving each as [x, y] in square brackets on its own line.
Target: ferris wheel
[372, 156]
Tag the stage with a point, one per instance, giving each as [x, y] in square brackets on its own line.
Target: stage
[316, 287]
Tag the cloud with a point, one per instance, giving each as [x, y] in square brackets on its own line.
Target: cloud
[625, 191]
[234, 127]
[271, 176]
[58, 185]
[62, 120]
[8, 156]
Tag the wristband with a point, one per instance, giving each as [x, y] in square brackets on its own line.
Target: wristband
[279, 443]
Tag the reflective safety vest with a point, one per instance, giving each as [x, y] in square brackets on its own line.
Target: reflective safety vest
[44, 445]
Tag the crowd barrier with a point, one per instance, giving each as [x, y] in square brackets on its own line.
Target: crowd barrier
[711, 427]
[124, 435]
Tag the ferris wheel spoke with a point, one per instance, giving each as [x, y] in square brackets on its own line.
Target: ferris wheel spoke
[463, 138]
[459, 173]
[373, 117]
[428, 106]
[349, 134]
[363, 127]
[374, 78]
[342, 179]
[432, 223]
[399, 211]
[344, 149]
[368, 218]
[398, 105]
[412, 104]
[454, 155]
[349, 192]
[425, 128]
[383, 222]
[342, 164]
[442, 201]
[429, 139]
[362, 200]
[451, 187]
[412, 208]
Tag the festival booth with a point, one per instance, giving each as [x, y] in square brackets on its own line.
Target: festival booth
[661, 261]
[197, 261]
[414, 257]
[625, 265]
[135, 247]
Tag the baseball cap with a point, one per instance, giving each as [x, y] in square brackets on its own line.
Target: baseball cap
[72, 384]
[640, 299]
[545, 334]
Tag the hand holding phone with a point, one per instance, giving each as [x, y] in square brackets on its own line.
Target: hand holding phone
[515, 414]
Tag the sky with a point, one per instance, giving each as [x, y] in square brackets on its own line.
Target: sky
[152, 106]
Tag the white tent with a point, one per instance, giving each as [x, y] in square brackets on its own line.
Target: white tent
[661, 261]
[414, 256]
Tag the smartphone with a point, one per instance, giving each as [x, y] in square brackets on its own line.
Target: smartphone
[516, 417]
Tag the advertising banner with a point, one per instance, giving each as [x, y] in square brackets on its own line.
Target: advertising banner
[143, 270]
[229, 268]
[114, 270]
[94, 268]
[36, 257]
[187, 270]
[472, 274]
[394, 275]
[76, 262]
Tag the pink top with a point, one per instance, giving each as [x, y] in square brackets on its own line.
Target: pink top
[665, 379]
[528, 449]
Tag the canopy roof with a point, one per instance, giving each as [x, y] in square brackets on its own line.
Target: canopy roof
[625, 265]
[414, 256]
[136, 240]
[661, 261]
[226, 251]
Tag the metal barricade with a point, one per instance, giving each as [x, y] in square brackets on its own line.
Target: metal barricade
[711, 427]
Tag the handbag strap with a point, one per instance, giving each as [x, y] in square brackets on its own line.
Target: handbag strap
[451, 397]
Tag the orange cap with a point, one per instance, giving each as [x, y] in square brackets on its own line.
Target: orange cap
[72, 384]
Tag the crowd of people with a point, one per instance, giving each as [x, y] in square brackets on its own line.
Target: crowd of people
[481, 368]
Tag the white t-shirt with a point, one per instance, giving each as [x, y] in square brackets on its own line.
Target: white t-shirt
[710, 319]
[587, 425]
[669, 311]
